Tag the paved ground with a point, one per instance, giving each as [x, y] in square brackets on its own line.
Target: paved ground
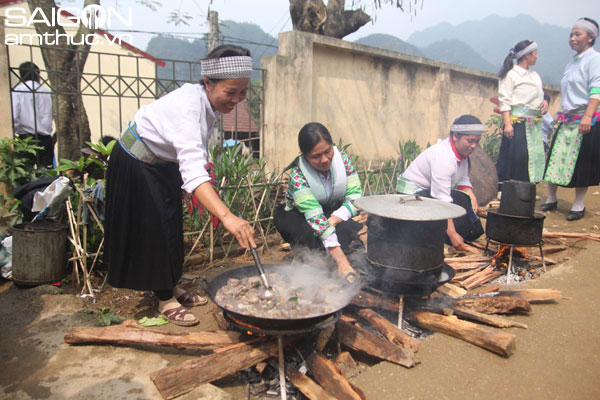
[557, 357]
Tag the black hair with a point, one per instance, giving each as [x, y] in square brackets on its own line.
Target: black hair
[508, 61]
[466, 119]
[28, 71]
[595, 23]
[226, 50]
[547, 97]
[311, 134]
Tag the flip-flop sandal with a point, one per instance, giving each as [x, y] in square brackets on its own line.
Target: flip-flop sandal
[177, 316]
[188, 299]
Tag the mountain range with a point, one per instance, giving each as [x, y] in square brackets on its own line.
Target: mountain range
[481, 44]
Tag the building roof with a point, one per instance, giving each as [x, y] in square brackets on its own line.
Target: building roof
[107, 34]
[239, 120]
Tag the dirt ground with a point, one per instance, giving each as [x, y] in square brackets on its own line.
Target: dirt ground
[557, 357]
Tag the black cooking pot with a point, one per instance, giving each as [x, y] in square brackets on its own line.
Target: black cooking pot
[518, 198]
[407, 247]
[514, 230]
[211, 288]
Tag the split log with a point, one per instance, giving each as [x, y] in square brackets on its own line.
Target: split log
[323, 338]
[590, 236]
[389, 330]
[180, 379]
[481, 278]
[327, 374]
[127, 335]
[367, 300]
[366, 342]
[492, 320]
[485, 289]
[464, 275]
[346, 364]
[502, 343]
[493, 305]
[222, 323]
[305, 385]
[451, 290]
[467, 259]
[533, 295]
[553, 249]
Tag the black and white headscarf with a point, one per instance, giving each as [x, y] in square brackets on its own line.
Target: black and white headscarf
[227, 67]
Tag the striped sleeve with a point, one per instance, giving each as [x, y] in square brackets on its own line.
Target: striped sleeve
[300, 196]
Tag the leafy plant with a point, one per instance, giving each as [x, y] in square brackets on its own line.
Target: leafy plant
[106, 317]
[16, 168]
[407, 153]
[492, 138]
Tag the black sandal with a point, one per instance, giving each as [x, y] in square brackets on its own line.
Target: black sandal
[177, 316]
[188, 299]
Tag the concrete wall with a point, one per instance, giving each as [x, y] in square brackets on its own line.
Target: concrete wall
[369, 97]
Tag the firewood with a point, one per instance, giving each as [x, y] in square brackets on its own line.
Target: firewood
[305, 385]
[369, 343]
[323, 338]
[482, 280]
[182, 378]
[492, 320]
[451, 290]
[502, 343]
[260, 367]
[127, 335]
[590, 236]
[389, 330]
[367, 300]
[222, 323]
[467, 259]
[494, 304]
[485, 289]
[533, 295]
[553, 249]
[464, 275]
[328, 375]
[346, 364]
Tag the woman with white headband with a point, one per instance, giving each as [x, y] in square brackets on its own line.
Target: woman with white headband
[161, 152]
[522, 104]
[574, 156]
[442, 172]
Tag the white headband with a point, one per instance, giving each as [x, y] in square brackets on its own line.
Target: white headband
[227, 67]
[587, 25]
[472, 129]
[529, 49]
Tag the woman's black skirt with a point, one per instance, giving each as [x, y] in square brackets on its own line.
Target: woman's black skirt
[294, 229]
[143, 223]
[587, 167]
[513, 159]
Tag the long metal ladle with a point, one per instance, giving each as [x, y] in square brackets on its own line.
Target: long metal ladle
[269, 291]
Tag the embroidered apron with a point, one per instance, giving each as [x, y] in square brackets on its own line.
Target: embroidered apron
[535, 143]
[565, 151]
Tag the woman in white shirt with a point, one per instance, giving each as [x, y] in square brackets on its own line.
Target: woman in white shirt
[574, 156]
[161, 152]
[522, 104]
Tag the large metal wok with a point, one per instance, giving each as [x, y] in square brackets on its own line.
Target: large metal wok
[212, 287]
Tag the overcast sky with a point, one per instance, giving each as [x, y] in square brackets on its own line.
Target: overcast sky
[273, 15]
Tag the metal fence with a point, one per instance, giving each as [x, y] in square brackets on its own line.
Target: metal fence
[112, 87]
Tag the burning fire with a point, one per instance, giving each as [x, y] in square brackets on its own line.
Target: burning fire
[504, 252]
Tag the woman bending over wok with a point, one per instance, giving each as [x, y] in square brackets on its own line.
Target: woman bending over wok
[319, 205]
[442, 172]
[163, 151]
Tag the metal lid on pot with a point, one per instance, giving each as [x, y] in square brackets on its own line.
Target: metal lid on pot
[409, 207]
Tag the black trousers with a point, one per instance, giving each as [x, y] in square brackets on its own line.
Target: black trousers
[294, 229]
[468, 226]
[43, 157]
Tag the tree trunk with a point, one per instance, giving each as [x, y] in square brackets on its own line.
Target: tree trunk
[331, 20]
[64, 62]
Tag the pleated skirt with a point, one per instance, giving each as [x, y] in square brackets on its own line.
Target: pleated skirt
[143, 223]
[513, 158]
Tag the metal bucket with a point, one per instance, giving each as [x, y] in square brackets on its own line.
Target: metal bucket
[39, 253]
